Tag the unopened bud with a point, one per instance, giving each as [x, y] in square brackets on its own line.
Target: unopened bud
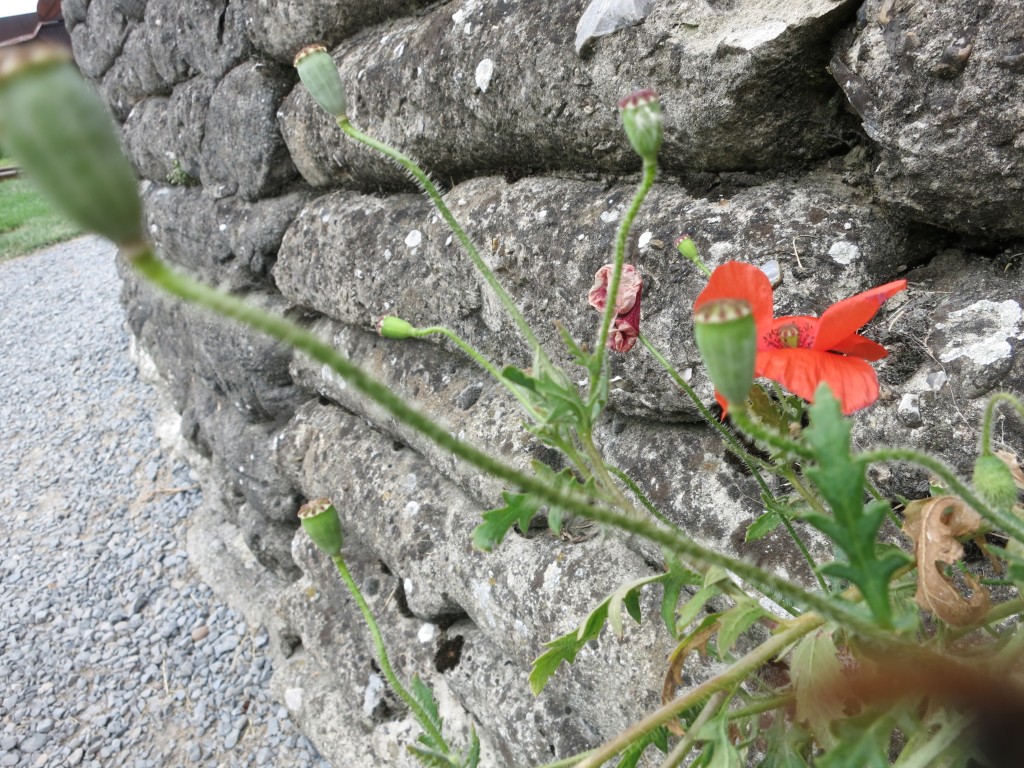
[319, 74]
[641, 117]
[994, 482]
[688, 249]
[54, 124]
[391, 327]
[320, 521]
[727, 338]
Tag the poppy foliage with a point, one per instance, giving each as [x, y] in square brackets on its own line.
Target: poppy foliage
[801, 352]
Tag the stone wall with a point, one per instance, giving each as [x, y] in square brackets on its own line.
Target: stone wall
[852, 143]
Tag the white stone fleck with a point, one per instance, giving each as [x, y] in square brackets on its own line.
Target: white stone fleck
[358, 273]
[399, 50]
[721, 251]
[373, 695]
[222, 227]
[427, 633]
[552, 576]
[412, 508]
[581, 236]
[387, 254]
[325, 218]
[982, 331]
[484, 73]
[414, 238]
[749, 39]
[542, 215]
[293, 698]
[844, 252]
[407, 586]
[609, 216]
[644, 239]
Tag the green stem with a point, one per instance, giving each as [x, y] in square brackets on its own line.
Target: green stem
[761, 705]
[735, 674]
[483, 362]
[294, 335]
[990, 408]
[802, 547]
[916, 755]
[568, 762]
[682, 749]
[1011, 524]
[742, 419]
[640, 495]
[752, 462]
[422, 717]
[1002, 611]
[597, 363]
[435, 197]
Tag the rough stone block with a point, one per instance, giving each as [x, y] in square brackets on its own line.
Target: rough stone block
[940, 91]
[97, 41]
[742, 86]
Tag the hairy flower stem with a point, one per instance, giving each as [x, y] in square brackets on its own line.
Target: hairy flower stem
[752, 462]
[382, 655]
[990, 408]
[687, 743]
[597, 368]
[1009, 523]
[435, 197]
[640, 495]
[726, 680]
[284, 330]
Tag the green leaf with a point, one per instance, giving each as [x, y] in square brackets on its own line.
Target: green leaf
[473, 755]
[519, 508]
[565, 482]
[519, 377]
[735, 622]
[689, 611]
[787, 745]
[425, 698]
[579, 355]
[632, 754]
[763, 525]
[719, 750]
[817, 675]
[861, 742]
[431, 757]
[853, 526]
[566, 647]
[676, 578]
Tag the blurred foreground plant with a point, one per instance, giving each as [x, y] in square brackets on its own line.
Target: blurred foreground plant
[893, 658]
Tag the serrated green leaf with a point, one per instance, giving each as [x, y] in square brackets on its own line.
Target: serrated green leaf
[763, 525]
[676, 578]
[519, 508]
[566, 647]
[817, 674]
[430, 757]
[720, 751]
[693, 606]
[735, 622]
[627, 595]
[425, 698]
[579, 355]
[853, 526]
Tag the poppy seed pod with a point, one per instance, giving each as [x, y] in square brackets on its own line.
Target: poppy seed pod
[55, 125]
[391, 327]
[726, 335]
[994, 482]
[319, 74]
[641, 117]
[320, 521]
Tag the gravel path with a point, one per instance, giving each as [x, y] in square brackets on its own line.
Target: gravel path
[111, 651]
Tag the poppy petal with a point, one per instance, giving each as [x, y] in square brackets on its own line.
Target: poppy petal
[862, 347]
[852, 380]
[737, 280]
[843, 318]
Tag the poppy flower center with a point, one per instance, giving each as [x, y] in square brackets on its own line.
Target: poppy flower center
[789, 336]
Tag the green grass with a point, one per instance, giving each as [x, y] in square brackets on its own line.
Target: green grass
[27, 221]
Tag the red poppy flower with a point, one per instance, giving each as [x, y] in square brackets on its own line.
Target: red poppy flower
[625, 328]
[801, 352]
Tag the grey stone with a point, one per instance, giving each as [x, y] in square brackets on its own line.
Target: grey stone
[245, 104]
[98, 41]
[941, 100]
[740, 91]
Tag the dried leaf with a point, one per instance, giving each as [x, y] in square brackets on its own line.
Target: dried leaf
[695, 641]
[935, 524]
[603, 17]
[817, 676]
[1010, 459]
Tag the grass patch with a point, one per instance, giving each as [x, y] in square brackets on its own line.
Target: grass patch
[27, 220]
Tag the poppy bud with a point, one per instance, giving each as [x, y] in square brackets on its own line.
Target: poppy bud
[994, 482]
[53, 122]
[319, 74]
[391, 327]
[727, 338]
[320, 521]
[641, 117]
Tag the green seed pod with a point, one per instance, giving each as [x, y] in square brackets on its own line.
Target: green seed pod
[320, 521]
[319, 74]
[994, 482]
[688, 249]
[55, 125]
[391, 327]
[727, 338]
[641, 117]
